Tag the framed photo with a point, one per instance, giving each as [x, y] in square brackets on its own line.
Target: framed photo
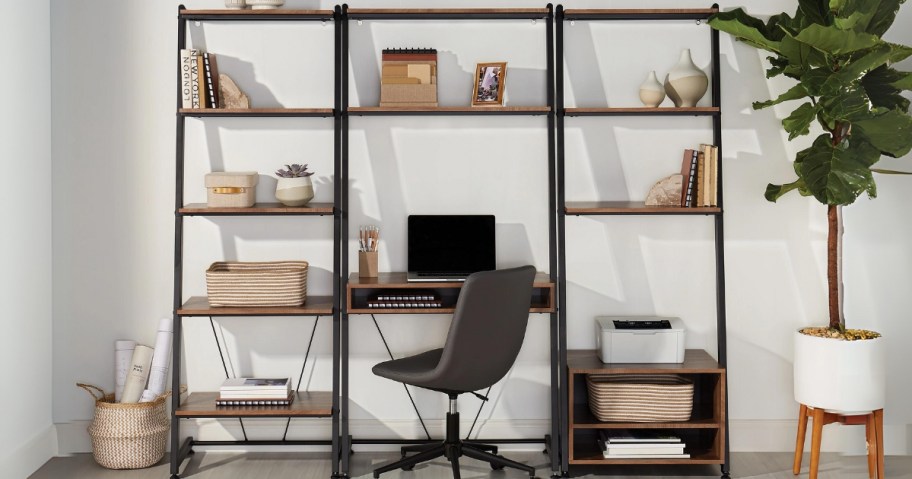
[489, 84]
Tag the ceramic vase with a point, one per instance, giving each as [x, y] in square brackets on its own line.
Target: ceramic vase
[651, 91]
[265, 4]
[848, 377]
[685, 84]
[236, 4]
[294, 191]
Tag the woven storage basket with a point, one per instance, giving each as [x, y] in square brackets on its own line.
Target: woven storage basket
[640, 398]
[127, 436]
[280, 283]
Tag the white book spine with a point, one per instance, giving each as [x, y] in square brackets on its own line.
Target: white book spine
[186, 80]
[158, 374]
[138, 374]
[194, 79]
[123, 353]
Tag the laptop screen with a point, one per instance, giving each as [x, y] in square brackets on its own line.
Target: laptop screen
[445, 244]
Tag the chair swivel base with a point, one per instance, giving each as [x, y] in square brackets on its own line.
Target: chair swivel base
[453, 448]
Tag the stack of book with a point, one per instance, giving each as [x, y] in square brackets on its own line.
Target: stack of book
[255, 392]
[641, 444]
[700, 172]
[409, 77]
[199, 79]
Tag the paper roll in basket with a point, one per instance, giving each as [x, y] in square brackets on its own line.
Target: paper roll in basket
[640, 398]
[127, 436]
[238, 284]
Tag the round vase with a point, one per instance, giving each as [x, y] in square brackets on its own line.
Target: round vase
[265, 4]
[651, 91]
[294, 191]
[847, 377]
[685, 84]
[236, 4]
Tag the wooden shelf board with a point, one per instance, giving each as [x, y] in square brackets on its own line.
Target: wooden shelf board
[696, 361]
[645, 111]
[449, 110]
[534, 309]
[596, 458]
[399, 280]
[387, 11]
[228, 13]
[315, 305]
[262, 112]
[633, 208]
[201, 209]
[625, 11]
[305, 404]
[584, 419]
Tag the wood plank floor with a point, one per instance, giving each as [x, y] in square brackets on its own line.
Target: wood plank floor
[224, 465]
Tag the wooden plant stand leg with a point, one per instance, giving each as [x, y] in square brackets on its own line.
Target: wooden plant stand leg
[871, 439]
[878, 430]
[799, 442]
[816, 437]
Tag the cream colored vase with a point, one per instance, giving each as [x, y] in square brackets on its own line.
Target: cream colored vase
[685, 84]
[294, 191]
[848, 377]
[265, 4]
[651, 91]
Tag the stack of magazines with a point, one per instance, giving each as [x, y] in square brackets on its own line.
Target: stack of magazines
[640, 444]
[255, 392]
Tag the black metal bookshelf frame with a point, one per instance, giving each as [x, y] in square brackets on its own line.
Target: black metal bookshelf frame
[561, 211]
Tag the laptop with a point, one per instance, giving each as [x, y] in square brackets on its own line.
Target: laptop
[449, 247]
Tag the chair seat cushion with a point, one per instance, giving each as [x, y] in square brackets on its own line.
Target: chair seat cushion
[417, 370]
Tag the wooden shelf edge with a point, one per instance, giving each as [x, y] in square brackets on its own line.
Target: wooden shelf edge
[253, 13]
[314, 306]
[305, 404]
[481, 110]
[624, 11]
[443, 11]
[201, 209]
[266, 112]
[633, 208]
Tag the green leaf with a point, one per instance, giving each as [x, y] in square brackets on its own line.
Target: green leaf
[778, 66]
[814, 79]
[801, 54]
[834, 175]
[745, 27]
[799, 122]
[890, 172]
[774, 192]
[861, 63]
[890, 132]
[883, 16]
[847, 105]
[904, 83]
[834, 41]
[880, 86]
[793, 93]
[813, 11]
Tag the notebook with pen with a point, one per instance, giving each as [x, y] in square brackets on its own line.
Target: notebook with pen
[449, 247]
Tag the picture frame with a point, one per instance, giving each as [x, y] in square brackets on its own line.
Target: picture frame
[489, 84]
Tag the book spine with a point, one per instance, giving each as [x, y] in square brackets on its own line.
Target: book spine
[714, 187]
[186, 80]
[691, 180]
[138, 374]
[698, 185]
[707, 176]
[201, 76]
[194, 79]
[211, 92]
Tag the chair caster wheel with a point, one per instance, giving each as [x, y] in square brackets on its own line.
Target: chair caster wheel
[175, 476]
[191, 452]
[496, 467]
[408, 468]
[726, 476]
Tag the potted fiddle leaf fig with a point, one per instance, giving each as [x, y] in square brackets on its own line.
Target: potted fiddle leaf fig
[841, 65]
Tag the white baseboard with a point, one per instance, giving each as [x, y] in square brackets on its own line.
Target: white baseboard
[746, 435]
[22, 461]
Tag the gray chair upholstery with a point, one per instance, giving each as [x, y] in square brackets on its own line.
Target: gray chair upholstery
[485, 336]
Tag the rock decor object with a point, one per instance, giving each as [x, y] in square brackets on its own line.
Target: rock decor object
[265, 4]
[685, 84]
[230, 96]
[666, 192]
[236, 4]
[294, 187]
[651, 91]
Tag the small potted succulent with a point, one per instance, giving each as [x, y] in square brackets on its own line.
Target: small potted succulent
[294, 187]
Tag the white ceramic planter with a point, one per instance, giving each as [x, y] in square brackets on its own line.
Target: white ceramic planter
[685, 84]
[236, 4]
[265, 4]
[651, 91]
[840, 376]
[294, 191]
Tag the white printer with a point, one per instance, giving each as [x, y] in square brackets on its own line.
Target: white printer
[639, 339]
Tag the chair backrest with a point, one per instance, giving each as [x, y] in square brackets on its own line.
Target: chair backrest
[488, 328]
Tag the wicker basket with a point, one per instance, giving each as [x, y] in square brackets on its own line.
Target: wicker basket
[127, 436]
[280, 283]
[640, 398]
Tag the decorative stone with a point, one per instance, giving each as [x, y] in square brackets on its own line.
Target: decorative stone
[230, 96]
[666, 192]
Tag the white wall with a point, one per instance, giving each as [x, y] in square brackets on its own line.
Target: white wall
[114, 170]
[27, 434]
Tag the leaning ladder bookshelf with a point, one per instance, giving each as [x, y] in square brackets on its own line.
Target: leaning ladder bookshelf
[708, 427]
[307, 404]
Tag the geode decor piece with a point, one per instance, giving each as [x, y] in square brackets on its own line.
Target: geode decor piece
[666, 192]
[230, 96]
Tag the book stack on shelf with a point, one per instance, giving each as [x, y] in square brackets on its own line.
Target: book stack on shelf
[255, 392]
[409, 77]
[700, 172]
[406, 299]
[199, 79]
[624, 444]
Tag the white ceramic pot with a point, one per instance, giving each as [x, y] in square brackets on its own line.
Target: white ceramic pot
[265, 4]
[685, 84]
[840, 376]
[651, 91]
[294, 191]
[236, 4]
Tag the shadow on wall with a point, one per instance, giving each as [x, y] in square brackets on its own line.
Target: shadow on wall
[242, 72]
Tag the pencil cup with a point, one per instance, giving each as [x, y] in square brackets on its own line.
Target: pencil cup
[367, 264]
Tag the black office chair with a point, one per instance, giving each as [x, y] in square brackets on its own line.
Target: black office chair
[484, 339]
